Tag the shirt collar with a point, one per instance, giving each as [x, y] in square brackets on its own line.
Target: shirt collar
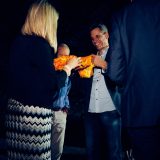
[103, 53]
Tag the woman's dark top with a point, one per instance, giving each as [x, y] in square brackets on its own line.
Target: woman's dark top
[32, 79]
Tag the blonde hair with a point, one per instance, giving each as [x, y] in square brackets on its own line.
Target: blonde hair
[42, 20]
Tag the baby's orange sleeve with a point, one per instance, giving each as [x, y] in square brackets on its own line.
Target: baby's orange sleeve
[60, 62]
[85, 70]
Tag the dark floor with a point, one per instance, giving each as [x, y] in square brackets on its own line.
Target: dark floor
[73, 153]
[74, 146]
[69, 153]
[73, 157]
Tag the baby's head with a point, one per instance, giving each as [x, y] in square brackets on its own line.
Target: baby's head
[63, 50]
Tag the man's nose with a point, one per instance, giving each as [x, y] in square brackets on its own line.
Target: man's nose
[95, 41]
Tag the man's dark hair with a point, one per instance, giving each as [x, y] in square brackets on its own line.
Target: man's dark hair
[101, 26]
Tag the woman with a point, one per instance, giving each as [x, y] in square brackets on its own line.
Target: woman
[32, 84]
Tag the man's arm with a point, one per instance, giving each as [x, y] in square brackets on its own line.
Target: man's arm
[116, 54]
[99, 62]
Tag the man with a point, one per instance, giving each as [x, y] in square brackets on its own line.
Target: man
[60, 107]
[102, 118]
[134, 62]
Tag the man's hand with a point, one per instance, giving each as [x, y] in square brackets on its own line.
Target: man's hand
[99, 62]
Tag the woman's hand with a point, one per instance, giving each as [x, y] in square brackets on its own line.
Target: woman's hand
[71, 64]
[74, 62]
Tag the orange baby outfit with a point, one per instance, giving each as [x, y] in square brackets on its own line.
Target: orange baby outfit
[85, 70]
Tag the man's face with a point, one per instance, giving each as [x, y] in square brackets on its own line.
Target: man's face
[99, 38]
[63, 51]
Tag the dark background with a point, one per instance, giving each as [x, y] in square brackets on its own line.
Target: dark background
[75, 18]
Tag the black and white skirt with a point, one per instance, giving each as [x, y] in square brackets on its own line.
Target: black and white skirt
[28, 132]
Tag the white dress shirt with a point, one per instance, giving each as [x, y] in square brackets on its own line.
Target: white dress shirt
[100, 99]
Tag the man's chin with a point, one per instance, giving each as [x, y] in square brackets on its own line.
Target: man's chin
[99, 48]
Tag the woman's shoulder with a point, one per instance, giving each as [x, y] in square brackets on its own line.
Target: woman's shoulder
[31, 39]
[31, 44]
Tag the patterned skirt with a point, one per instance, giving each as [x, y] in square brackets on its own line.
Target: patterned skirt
[28, 132]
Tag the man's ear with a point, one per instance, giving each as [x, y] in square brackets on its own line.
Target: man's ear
[107, 35]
